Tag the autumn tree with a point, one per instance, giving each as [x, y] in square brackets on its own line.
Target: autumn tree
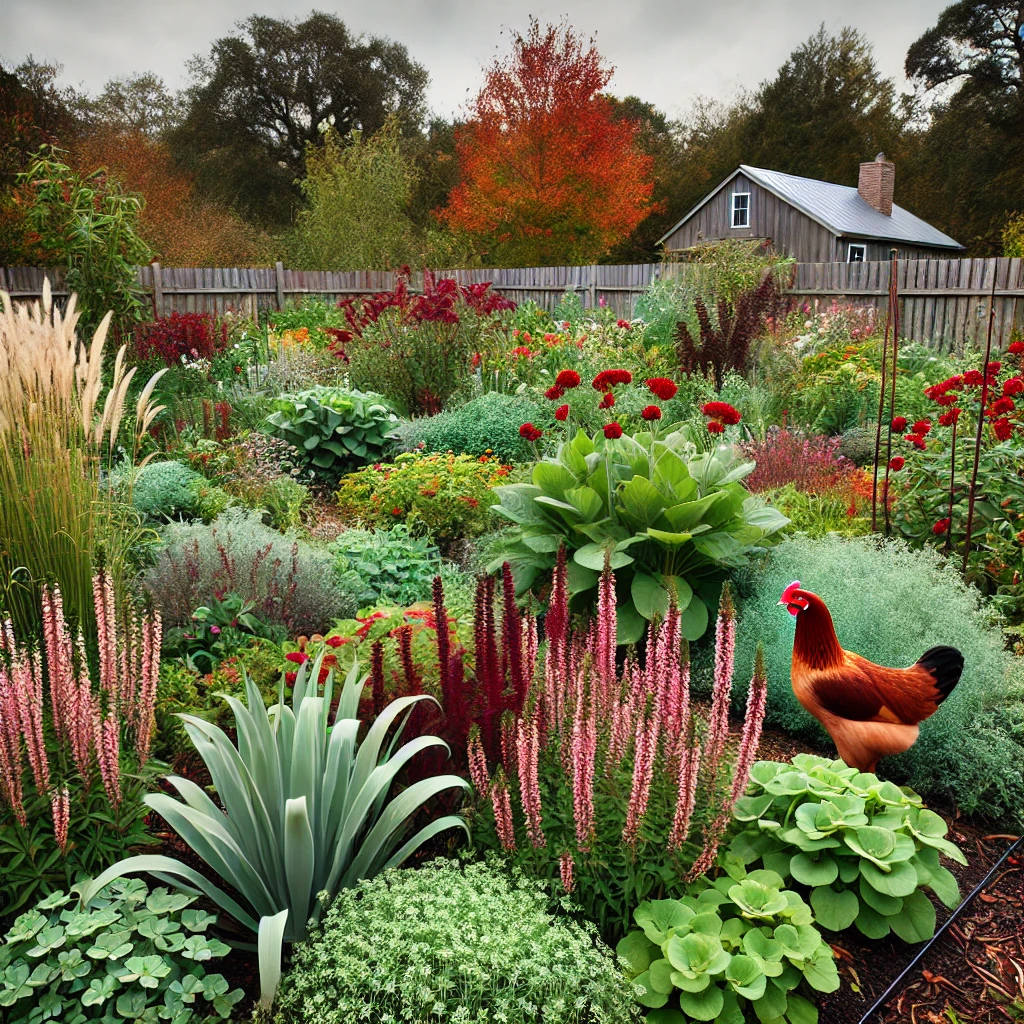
[548, 173]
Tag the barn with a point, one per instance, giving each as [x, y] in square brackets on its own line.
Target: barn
[813, 221]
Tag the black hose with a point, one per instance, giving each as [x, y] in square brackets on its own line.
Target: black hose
[898, 982]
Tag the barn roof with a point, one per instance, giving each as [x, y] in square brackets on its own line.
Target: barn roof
[839, 208]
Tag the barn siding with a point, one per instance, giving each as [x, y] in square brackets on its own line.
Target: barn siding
[786, 227]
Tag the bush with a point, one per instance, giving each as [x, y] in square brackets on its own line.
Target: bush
[132, 952]
[479, 944]
[449, 496]
[290, 582]
[334, 429]
[171, 490]
[818, 514]
[181, 337]
[391, 566]
[858, 445]
[864, 849]
[486, 425]
[890, 604]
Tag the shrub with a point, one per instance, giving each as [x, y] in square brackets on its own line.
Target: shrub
[480, 944]
[811, 463]
[741, 941]
[181, 337]
[171, 490]
[334, 429]
[449, 496]
[865, 849]
[670, 520]
[316, 316]
[819, 514]
[303, 808]
[392, 565]
[73, 764]
[890, 604]
[858, 445]
[129, 951]
[290, 582]
[484, 426]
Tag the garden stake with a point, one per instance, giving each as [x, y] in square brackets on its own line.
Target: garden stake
[894, 316]
[952, 486]
[880, 1002]
[981, 427]
[878, 425]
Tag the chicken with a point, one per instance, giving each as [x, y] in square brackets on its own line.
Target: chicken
[869, 711]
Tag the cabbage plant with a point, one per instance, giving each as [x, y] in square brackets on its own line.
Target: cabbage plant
[304, 808]
[672, 521]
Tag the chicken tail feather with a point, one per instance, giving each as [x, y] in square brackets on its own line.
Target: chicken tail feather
[945, 665]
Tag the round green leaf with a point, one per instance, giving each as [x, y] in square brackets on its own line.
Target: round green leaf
[900, 880]
[833, 910]
[820, 870]
[916, 921]
[706, 1005]
[695, 619]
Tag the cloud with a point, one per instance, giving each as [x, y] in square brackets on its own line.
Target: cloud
[666, 51]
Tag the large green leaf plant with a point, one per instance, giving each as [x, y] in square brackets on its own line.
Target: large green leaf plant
[304, 808]
[864, 850]
[671, 520]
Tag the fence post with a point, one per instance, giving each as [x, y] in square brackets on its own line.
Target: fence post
[158, 290]
[279, 270]
[593, 285]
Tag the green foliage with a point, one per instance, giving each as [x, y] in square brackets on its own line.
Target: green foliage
[303, 808]
[357, 193]
[816, 514]
[672, 522]
[858, 445]
[128, 954]
[483, 426]
[865, 849]
[389, 566]
[90, 226]
[480, 944]
[335, 429]
[171, 490]
[311, 313]
[890, 604]
[449, 496]
[1013, 236]
[740, 941]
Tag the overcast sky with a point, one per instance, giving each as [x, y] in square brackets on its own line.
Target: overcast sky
[665, 51]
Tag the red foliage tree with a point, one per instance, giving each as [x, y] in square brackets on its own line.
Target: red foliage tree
[549, 175]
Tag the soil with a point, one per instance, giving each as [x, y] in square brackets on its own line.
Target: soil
[975, 970]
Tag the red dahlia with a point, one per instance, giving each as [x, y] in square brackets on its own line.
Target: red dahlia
[1013, 386]
[722, 411]
[554, 393]
[896, 463]
[1016, 348]
[973, 378]
[607, 379]
[530, 433]
[941, 527]
[651, 412]
[567, 379]
[917, 440]
[1001, 406]
[612, 431]
[1003, 428]
[947, 419]
[899, 424]
[562, 413]
[662, 387]
[922, 426]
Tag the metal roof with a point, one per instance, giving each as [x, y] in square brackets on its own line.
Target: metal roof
[839, 208]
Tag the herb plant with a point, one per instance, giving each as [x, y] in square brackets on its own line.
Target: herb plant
[386, 566]
[480, 944]
[864, 848]
[128, 954]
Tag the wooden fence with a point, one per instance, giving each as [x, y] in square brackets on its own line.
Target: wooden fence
[944, 303]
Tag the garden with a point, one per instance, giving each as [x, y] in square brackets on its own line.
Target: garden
[419, 658]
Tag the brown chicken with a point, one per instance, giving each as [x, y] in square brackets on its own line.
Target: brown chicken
[869, 711]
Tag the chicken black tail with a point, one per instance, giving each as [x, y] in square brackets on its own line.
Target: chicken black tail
[945, 664]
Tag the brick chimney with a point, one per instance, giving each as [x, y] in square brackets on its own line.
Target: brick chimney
[876, 182]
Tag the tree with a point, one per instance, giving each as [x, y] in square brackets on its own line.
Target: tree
[133, 103]
[827, 110]
[548, 174]
[358, 191]
[258, 99]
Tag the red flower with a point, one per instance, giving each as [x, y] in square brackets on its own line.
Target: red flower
[607, 402]
[607, 379]
[336, 641]
[298, 657]
[522, 352]
[941, 527]
[896, 463]
[624, 324]
[721, 411]
[1001, 406]
[554, 393]
[396, 511]
[562, 413]
[922, 426]
[567, 379]
[476, 359]
[1016, 348]
[973, 378]
[899, 424]
[993, 368]
[947, 419]
[714, 427]
[651, 412]
[1013, 386]
[290, 677]
[530, 432]
[917, 440]
[1003, 428]
[612, 431]
[662, 387]
[471, 502]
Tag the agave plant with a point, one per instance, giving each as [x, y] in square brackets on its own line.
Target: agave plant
[305, 808]
[670, 521]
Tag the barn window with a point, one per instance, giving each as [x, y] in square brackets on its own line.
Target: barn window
[741, 209]
[856, 253]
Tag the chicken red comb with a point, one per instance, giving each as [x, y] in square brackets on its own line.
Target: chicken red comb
[787, 594]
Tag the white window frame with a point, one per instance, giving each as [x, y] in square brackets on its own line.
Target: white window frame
[733, 211]
[863, 252]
